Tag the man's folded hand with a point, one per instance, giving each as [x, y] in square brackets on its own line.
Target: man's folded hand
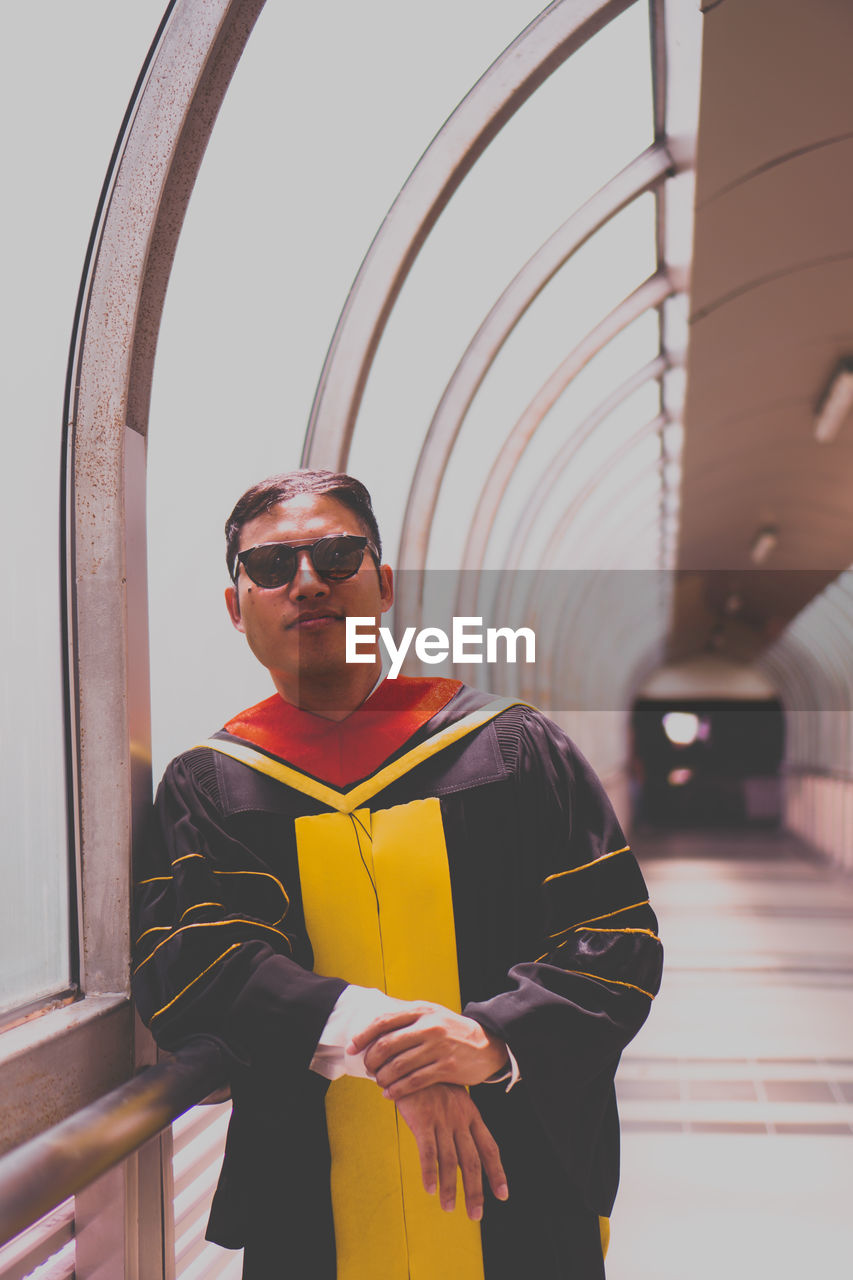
[425, 1044]
[451, 1136]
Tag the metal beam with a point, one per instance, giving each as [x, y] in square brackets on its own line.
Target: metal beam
[137, 225]
[139, 219]
[63, 1160]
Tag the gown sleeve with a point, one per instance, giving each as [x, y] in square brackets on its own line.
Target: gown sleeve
[216, 955]
[571, 1009]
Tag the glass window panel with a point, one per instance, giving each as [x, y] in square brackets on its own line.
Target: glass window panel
[66, 99]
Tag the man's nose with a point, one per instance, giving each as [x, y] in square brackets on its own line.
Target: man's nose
[306, 580]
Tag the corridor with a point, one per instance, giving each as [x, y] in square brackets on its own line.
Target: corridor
[737, 1098]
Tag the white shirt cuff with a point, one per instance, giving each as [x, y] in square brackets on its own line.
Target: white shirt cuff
[512, 1075]
[355, 1009]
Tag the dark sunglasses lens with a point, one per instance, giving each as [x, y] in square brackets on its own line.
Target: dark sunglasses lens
[338, 558]
[270, 566]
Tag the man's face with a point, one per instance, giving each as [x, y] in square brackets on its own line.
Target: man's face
[298, 631]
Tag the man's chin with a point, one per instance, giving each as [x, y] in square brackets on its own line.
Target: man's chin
[316, 667]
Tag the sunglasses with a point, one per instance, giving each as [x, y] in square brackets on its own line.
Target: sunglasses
[274, 564]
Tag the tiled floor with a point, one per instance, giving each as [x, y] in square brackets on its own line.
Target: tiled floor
[737, 1096]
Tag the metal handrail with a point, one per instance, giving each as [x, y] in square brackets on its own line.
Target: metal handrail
[40, 1174]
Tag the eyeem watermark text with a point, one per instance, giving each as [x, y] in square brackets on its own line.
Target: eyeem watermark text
[465, 643]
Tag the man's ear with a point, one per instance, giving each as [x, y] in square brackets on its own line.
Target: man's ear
[232, 603]
[386, 586]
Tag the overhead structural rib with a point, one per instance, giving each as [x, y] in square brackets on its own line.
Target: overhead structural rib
[557, 465]
[641, 175]
[519, 610]
[539, 50]
[651, 293]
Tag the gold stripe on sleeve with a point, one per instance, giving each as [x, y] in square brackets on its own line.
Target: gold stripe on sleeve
[266, 875]
[197, 906]
[648, 932]
[581, 924]
[212, 924]
[599, 977]
[233, 947]
[571, 870]
[155, 928]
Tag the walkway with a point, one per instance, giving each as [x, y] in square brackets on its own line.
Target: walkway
[737, 1097]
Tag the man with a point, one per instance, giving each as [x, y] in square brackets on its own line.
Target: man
[408, 887]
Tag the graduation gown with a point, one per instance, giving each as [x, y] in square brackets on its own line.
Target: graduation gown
[439, 844]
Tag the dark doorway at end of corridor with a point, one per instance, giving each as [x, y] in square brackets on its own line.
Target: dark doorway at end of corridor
[707, 763]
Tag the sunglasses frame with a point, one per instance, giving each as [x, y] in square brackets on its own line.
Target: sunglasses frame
[364, 545]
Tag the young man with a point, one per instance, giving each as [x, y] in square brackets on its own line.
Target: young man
[410, 888]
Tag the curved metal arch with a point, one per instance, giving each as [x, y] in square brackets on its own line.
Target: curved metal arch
[787, 683]
[840, 600]
[553, 674]
[643, 174]
[528, 604]
[559, 670]
[836, 646]
[651, 293]
[553, 617]
[527, 609]
[139, 219]
[801, 681]
[549, 479]
[634, 662]
[558, 32]
[653, 427]
[795, 674]
[827, 656]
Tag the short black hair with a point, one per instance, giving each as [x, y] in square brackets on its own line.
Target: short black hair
[265, 495]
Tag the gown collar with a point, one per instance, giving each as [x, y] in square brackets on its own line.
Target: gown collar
[340, 752]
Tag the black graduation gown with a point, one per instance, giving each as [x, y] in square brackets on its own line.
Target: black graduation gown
[557, 953]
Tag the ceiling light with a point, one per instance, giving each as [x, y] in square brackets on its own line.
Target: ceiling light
[681, 727]
[836, 403]
[764, 543]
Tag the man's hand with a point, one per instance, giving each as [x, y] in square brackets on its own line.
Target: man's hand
[450, 1134]
[427, 1044]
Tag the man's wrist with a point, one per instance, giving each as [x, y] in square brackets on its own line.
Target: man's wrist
[498, 1052]
[355, 1008]
[508, 1072]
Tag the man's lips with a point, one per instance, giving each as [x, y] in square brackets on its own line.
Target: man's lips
[310, 620]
